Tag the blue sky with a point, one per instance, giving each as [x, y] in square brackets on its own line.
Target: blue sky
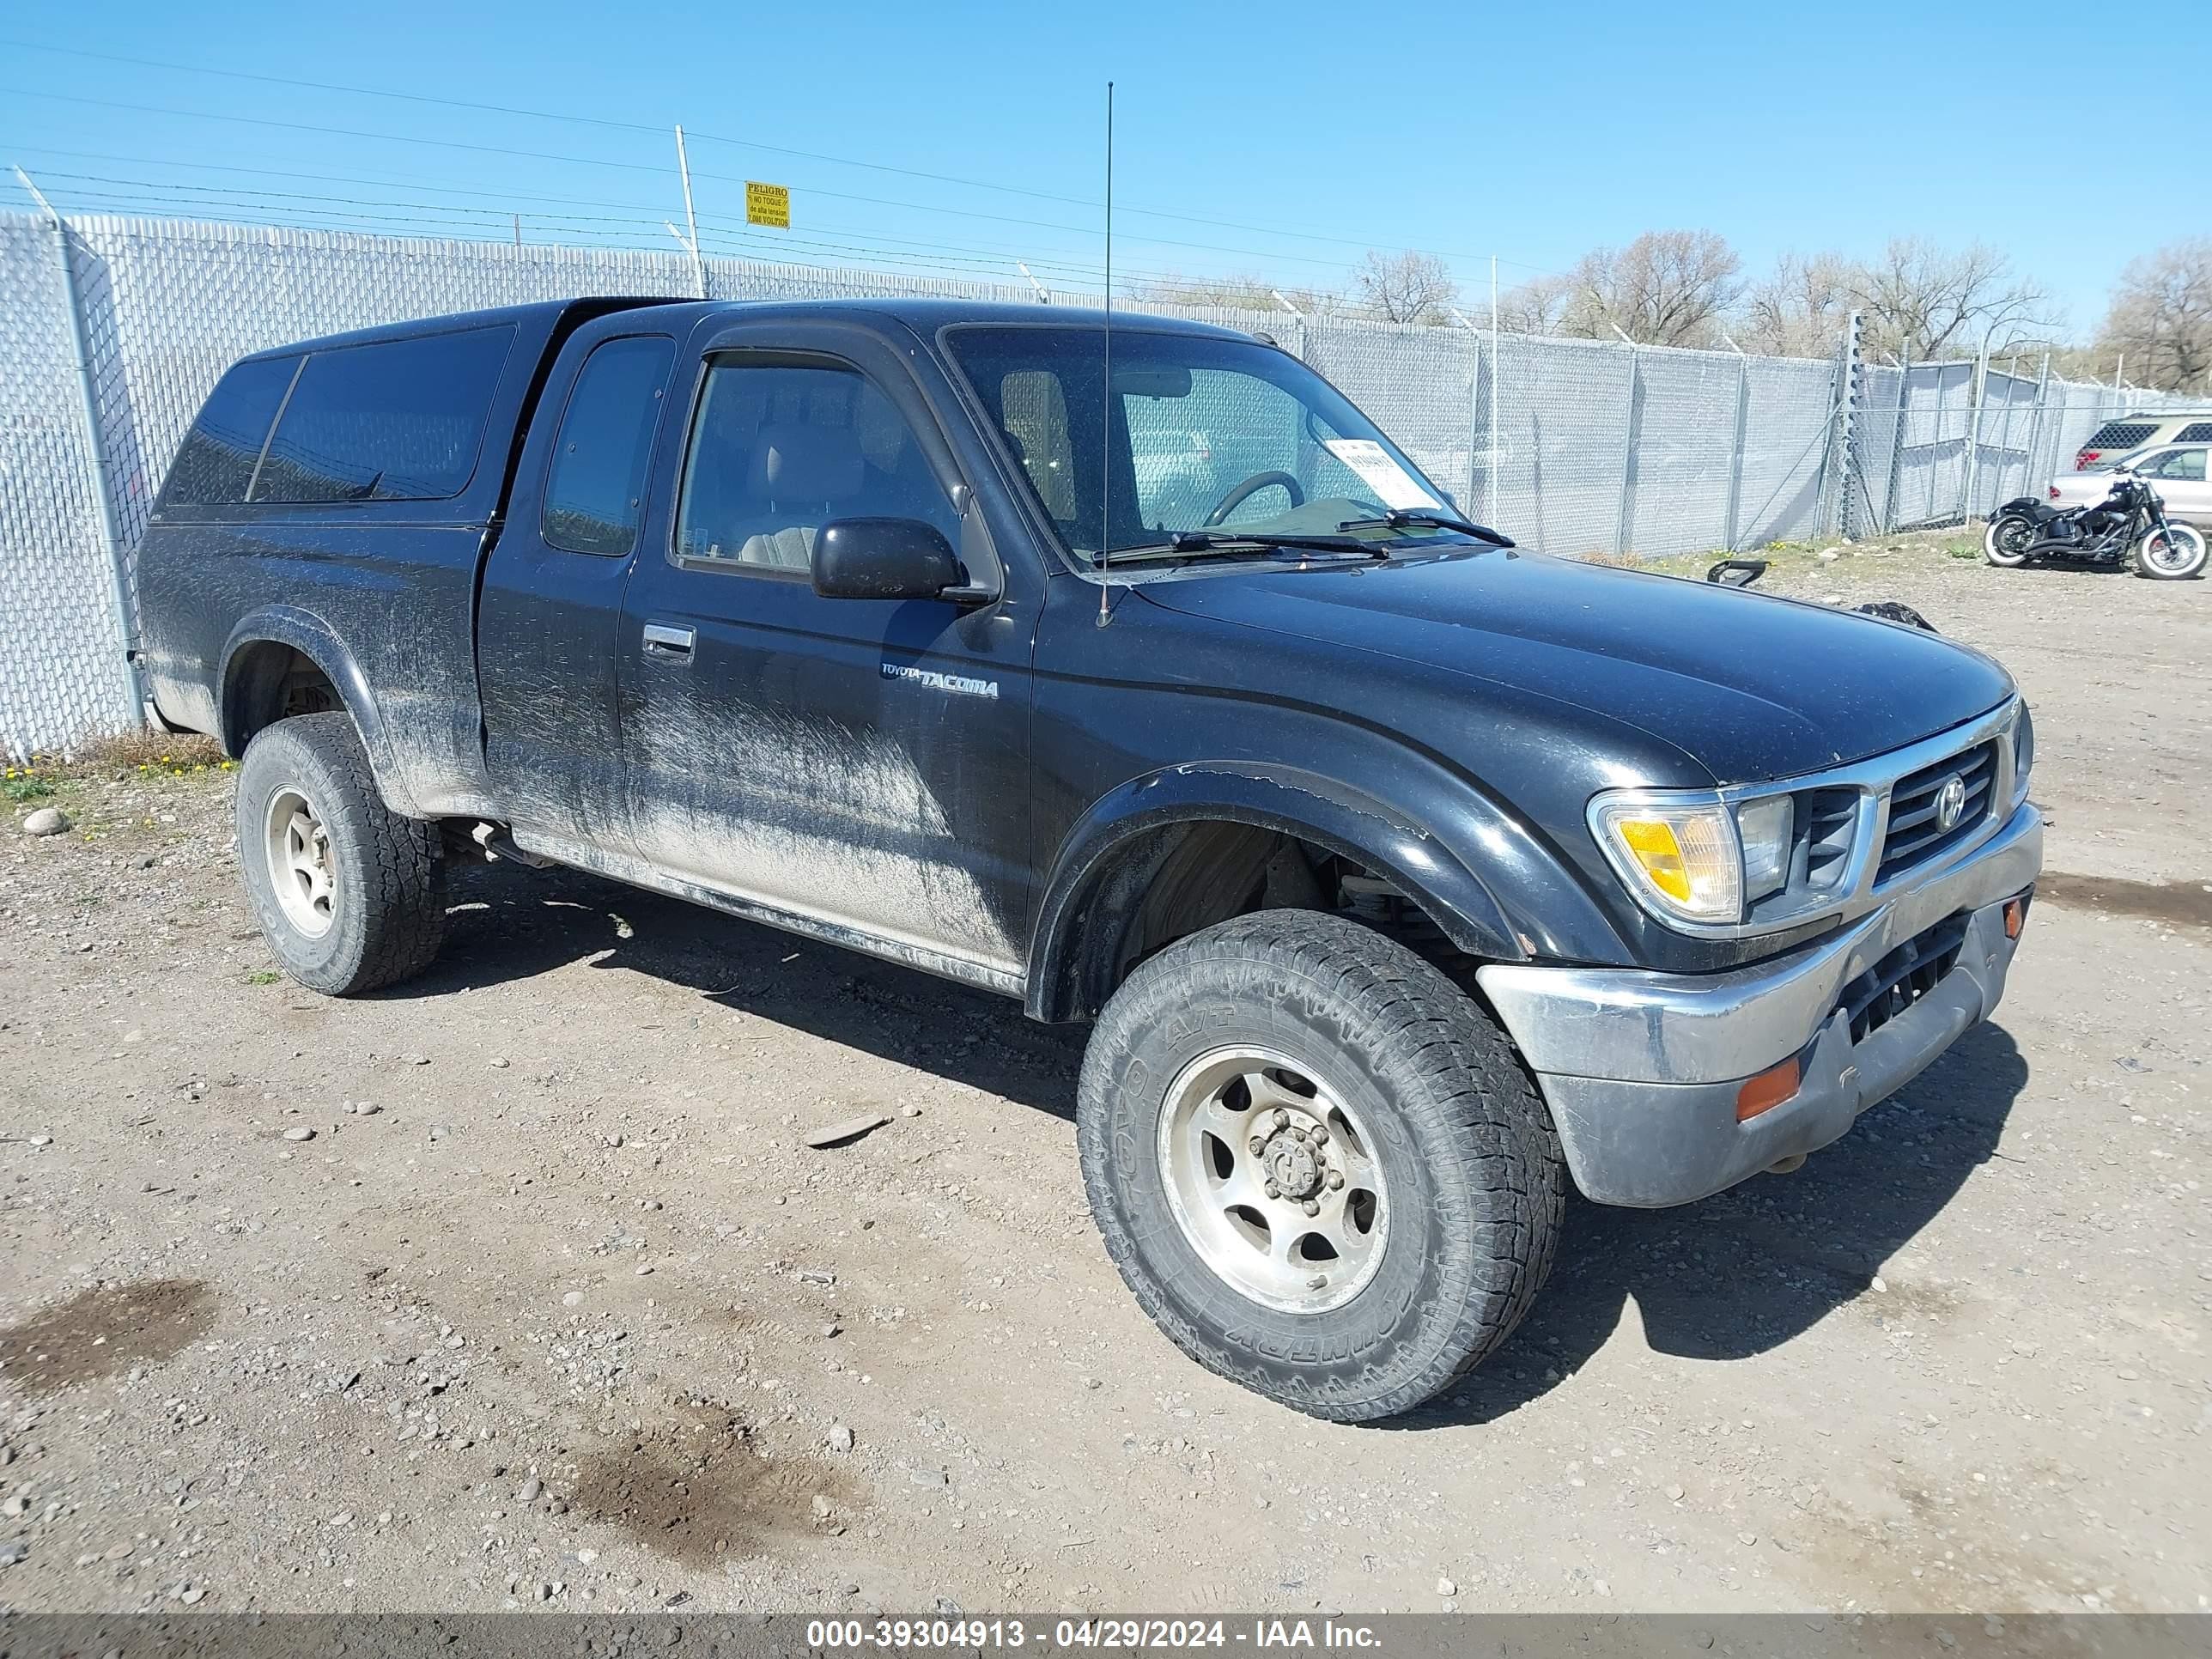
[1282, 139]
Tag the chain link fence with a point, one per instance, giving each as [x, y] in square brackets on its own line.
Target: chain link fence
[1574, 447]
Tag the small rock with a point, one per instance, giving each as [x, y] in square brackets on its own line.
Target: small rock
[643, 1269]
[46, 821]
[1880, 1285]
[367, 1108]
[928, 1477]
[831, 1329]
[815, 1276]
[1445, 1587]
[1746, 1537]
[821, 1507]
[301, 1134]
[840, 1439]
[414, 1060]
[14, 1550]
[1673, 1494]
[909, 1111]
[42, 1141]
[850, 1128]
[192, 1594]
[499, 1063]
[15, 1506]
[531, 1488]
[572, 1299]
[439, 1131]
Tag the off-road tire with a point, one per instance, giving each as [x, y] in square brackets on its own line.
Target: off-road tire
[1476, 1185]
[388, 872]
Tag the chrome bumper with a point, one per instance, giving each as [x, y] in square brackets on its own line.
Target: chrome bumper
[1641, 1069]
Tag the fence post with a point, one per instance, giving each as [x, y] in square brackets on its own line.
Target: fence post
[1981, 396]
[1836, 466]
[1624, 530]
[1897, 442]
[1735, 450]
[2035, 425]
[103, 471]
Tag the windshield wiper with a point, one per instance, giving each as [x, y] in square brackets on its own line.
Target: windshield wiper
[1401, 519]
[1184, 544]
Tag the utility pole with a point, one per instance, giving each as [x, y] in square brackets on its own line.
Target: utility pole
[690, 217]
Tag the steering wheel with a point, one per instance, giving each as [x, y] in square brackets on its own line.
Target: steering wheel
[1251, 487]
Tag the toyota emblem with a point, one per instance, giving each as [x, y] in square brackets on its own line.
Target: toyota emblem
[1951, 803]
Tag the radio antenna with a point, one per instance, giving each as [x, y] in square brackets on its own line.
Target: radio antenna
[1106, 423]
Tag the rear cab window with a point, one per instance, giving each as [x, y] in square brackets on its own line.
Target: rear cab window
[595, 485]
[392, 420]
[215, 463]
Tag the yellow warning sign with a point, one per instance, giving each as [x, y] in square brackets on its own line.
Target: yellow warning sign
[768, 204]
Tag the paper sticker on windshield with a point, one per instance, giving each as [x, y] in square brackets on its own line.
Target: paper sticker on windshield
[1381, 471]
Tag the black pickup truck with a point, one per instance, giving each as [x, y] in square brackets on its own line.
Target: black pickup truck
[1404, 874]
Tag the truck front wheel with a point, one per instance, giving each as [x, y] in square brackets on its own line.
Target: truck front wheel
[350, 896]
[1317, 1162]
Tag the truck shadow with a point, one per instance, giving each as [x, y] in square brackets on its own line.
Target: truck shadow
[507, 924]
[1748, 1270]
[1734, 1276]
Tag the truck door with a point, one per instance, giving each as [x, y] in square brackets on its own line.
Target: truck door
[860, 767]
[551, 606]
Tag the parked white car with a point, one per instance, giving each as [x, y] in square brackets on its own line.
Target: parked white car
[2178, 472]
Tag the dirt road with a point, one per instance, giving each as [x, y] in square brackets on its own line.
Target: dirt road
[517, 1286]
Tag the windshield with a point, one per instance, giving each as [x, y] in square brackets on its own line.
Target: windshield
[1226, 436]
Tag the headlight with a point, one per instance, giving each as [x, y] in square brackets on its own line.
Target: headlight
[1698, 862]
[1767, 827]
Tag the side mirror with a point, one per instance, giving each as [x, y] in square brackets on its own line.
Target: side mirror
[883, 559]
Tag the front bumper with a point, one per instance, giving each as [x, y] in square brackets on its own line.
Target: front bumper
[1641, 1070]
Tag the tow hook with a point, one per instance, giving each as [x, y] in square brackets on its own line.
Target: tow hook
[1788, 1165]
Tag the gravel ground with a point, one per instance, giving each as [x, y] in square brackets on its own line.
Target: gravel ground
[517, 1287]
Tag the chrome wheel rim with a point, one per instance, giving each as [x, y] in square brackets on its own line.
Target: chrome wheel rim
[1274, 1179]
[2168, 551]
[301, 867]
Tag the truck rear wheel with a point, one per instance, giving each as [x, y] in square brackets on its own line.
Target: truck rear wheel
[350, 896]
[1317, 1162]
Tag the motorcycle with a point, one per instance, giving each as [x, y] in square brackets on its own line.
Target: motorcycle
[2130, 518]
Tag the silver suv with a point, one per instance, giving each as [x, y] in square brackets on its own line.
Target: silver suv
[2128, 432]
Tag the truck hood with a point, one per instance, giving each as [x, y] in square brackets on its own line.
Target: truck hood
[1748, 686]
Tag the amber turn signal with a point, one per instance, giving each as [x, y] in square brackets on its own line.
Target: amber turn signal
[2015, 917]
[1767, 1091]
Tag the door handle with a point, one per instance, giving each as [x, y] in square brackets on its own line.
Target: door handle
[669, 644]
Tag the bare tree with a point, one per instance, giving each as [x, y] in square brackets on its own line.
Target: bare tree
[1406, 288]
[2161, 318]
[1921, 301]
[1538, 305]
[1802, 309]
[1666, 287]
[1248, 293]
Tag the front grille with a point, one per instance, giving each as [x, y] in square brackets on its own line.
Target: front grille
[1915, 835]
[1902, 977]
[1825, 821]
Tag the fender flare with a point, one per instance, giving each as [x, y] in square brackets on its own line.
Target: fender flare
[1306, 804]
[315, 639]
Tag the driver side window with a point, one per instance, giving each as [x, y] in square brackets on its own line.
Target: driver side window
[778, 450]
[2180, 465]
